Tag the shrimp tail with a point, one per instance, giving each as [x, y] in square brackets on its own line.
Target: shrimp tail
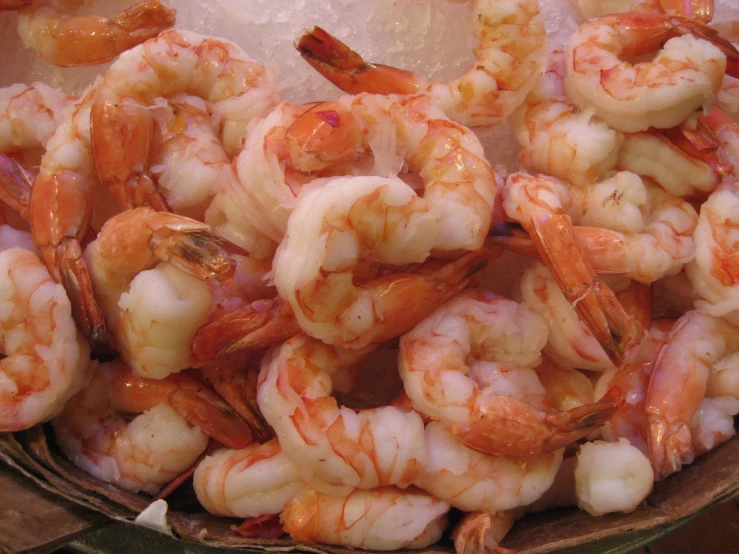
[87, 313]
[121, 140]
[514, 428]
[260, 324]
[346, 69]
[480, 533]
[406, 299]
[15, 186]
[237, 386]
[703, 31]
[196, 251]
[143, 21]
[594, 301]
[191, 399]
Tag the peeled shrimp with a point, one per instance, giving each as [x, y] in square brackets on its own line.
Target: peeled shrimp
[712, 272]
[473, 482]
[140, 455]
[611, 477]
[44, 358]
[154, 315]
[696, 342]
[187, 160]
[651, 154]
[538, 203]
[570, 341]
[632, 379]
[684, 77]
[62, 38]
[713, 423]
[558, 139]
[412, 133]
[482, 329]
[335, 446]
[254, 481]
[61, 206]
[348, 225]
[510, 56]
[378, 519]
[235, 88]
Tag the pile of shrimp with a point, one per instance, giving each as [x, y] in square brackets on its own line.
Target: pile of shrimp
[199, 278]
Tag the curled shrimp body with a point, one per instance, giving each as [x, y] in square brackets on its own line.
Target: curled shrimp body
[683, 77]
[356, 223]
[696, 342]
[138, 455]
[154, 315]
[570, 342]
[409, 133]
[476, 482]
[558, 139]
[234, 87]
[480, 329]
[509, 57]
[62, 38]
[652, 154]
[713, 271]
[632, 379]
[335, 445]
[61, 206]
[379, 519]
[45, 360]
[251, 482]
[538, 203]
[187, 158]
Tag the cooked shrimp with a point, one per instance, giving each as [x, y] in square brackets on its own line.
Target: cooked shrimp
[652, 154]
[481, 533]
[633, 228]
[62, 38]
[480, 328]
[44, 358]
[698, 10]
[681, 371]
[713, 270]
[537, 202]
[235, 89]
[378, 519]
[684, 77]
[187, 159]
[334, 446]
[277, 151]
[509, 57]
[405, 133]
[558, 139]
[570, 342]
[153, 327]
[566, 387]
[611, 477]
[632, 379]
[140, 455]
[29, 115]
[713, 423]
[61, 207]
[353, 224]
[476, 482]
[254, 481]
